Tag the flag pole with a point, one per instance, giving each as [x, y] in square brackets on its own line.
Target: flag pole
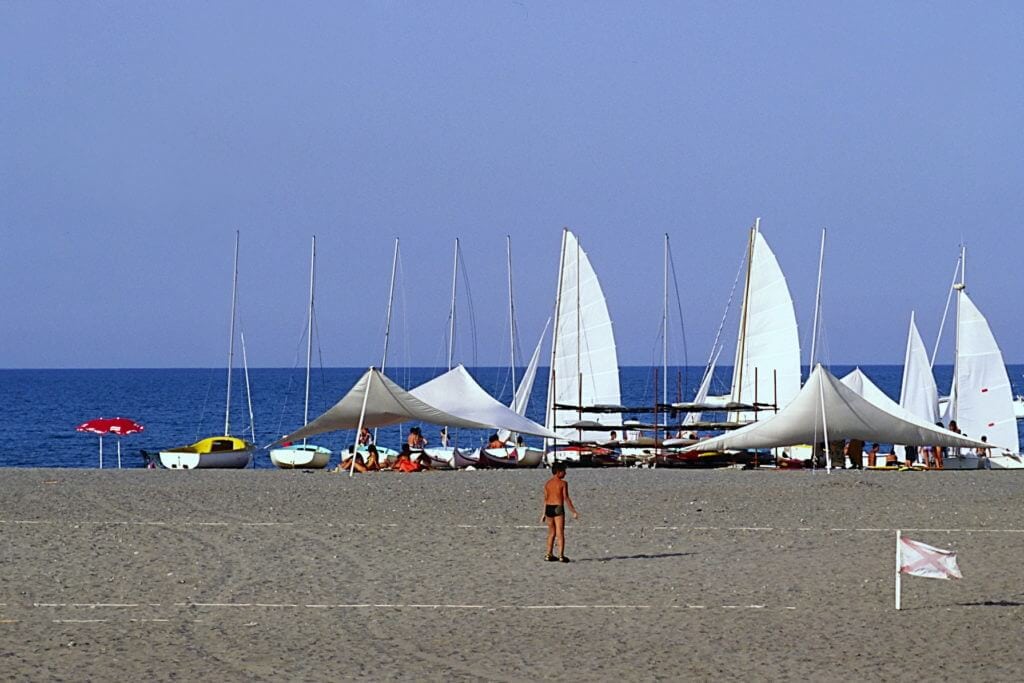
[898, 569]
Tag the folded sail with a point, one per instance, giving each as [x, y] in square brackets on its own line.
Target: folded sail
[984, 400]
[585, 364]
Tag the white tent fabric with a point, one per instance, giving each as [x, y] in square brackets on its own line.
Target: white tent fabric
[457, 393]
[847, 416]
[918, 395]
[385, 403]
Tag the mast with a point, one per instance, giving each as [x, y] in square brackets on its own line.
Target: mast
[579, 342]
[554, 335]
[511, 313]
[231, 339]
[664, 327]
[817, 303]
[945, 311]
[451, 317]
[309, 329]
[391, 298]
[959, 287]
[741, 341]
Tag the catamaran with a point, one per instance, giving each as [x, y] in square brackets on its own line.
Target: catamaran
[304, 455]
[584, 360]
[217, 451]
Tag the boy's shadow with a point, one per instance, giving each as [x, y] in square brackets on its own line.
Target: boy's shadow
[639, 556]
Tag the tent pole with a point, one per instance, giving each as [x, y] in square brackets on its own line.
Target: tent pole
[362, 417]
[101, 451]
[817, 302]
[824, 426]
[118, 452]
[756, 463]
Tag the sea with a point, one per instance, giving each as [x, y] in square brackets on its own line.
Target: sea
[40, 409]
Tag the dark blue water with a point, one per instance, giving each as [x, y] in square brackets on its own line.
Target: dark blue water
[39, 409]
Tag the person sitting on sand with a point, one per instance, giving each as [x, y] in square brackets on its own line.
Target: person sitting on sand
[353, 462]
[911, 455]
[890, 458]
[556, 497]
[855, 452]
[372, 459]
[424, 462]
[495, 442]
[873, 455]
[365, 438]
[405, 463]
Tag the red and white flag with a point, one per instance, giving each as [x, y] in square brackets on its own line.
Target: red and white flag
[920, 559]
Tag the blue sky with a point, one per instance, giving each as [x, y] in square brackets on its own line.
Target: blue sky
[137, 137]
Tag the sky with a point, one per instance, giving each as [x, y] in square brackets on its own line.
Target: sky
[137, 137]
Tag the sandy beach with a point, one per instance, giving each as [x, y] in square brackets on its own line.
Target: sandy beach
[264, 575]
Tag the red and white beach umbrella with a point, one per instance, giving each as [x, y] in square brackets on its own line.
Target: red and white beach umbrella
[118, 426]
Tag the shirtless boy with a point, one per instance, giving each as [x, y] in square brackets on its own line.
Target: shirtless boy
[556, 497]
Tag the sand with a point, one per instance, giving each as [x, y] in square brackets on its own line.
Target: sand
[265, 575]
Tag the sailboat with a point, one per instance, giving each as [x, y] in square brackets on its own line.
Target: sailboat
[520, 454]
[981, 401]
[444, 456]
[217, 451]
[584, 360]
[304, 455]
[766, 369]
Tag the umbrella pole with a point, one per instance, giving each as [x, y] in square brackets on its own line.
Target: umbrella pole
[101, 452]
[119, 453]
[359, 429]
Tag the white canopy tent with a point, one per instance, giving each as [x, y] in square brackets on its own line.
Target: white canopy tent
[827, 410]
[376, 401]
[457, 393]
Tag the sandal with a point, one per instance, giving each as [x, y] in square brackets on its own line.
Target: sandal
[563, 558]
[550, 558]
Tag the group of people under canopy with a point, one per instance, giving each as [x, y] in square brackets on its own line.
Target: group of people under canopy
[453, 400]
[840, 421]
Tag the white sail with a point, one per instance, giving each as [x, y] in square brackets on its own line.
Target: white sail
[866, 389]
[584, 362]
[918, 394]
[522, 398]
[984, 401]
[767, 367]
[703, 389]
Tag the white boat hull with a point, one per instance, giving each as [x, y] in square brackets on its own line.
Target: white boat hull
[183, 460]
[301, 456]
[972, 462]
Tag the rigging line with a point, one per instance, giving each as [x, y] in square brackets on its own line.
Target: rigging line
[211, 372]
[725, 315]
[679, 310]
[323, 373]
[291, 381]
[472, 310]
[945, 311]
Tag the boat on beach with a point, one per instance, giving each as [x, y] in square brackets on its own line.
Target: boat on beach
[304, 455]
[224, 451]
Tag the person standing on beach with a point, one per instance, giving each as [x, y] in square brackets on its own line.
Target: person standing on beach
[556, 497]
